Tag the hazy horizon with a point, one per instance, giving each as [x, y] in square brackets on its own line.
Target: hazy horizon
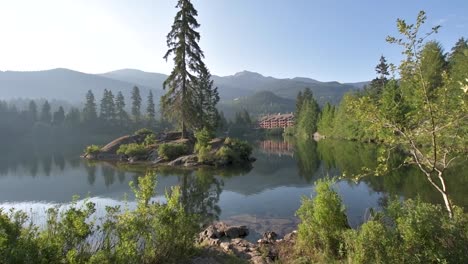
[324, 40]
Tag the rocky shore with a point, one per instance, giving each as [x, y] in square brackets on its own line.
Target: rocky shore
[221, 238]
[149, 153]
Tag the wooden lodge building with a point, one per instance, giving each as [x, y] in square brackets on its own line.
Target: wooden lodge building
[276, 121]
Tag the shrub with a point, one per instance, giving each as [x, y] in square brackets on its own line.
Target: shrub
[203, 136]
[234, 151]
[204, 154]
[323, 221]
[133, 150]
[152, 233]
[92, 149]
[150, 139]
[170, 151]
[143, 131]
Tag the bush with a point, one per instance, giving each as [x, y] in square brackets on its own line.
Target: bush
[92, 149]
[133, 150]
[152, 233]
[234, 151]
[150, 139]
[410, 232]
[170, 151]
[323, 221]
[203, 136]
[143, 131]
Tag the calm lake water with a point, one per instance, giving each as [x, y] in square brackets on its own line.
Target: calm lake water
[263, 197]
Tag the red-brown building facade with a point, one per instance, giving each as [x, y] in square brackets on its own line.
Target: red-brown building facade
[277, 121]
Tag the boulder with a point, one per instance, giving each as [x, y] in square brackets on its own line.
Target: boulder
[113, 146]
[188, 159]
[236, 231]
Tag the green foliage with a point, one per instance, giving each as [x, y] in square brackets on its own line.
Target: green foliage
[307, 115]
[410, 232]
[143, 131]
[190, 96]
[136, 104]
[234, 151]
[203, 137]
[323, 220]
[170, 151]
[202, 147]
[92, 149]
[150, 139]
[152, 233]
[133, 150]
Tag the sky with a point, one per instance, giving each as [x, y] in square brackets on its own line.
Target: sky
[328, 40]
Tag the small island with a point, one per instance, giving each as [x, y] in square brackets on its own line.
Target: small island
[172, 149]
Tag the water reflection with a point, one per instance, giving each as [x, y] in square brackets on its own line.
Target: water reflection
[262, 196]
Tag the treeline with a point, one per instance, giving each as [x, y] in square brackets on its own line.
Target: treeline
[111, 114]
[441, 71]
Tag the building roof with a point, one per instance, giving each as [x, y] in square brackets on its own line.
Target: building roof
[276, 117]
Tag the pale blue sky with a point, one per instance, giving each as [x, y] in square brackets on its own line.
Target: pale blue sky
[322, 39]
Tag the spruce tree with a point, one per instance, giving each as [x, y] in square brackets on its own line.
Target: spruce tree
[179, 101]
[206, 99]
[151, 109]
[59, 116]
[121, 114]
[46, 116]
[136, 104]
[299, 101]
[73, 117]
[89, 110]
[32, 110]
[107, 106]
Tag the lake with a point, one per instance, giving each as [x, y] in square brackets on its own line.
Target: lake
[265, 196]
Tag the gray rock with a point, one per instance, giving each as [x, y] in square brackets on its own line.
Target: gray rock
[183, 160]
[236, 231]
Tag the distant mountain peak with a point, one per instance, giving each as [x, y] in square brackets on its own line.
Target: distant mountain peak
[248, 74]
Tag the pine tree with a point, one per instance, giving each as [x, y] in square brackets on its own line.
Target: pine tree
[376, 86]
[73, 117]
[46, 116]
[107, 106]
[121, 114]
[178, 103]
[59, 116]
[136, 104]
[299, 101]
[151, 109]
[89, 110]
[32, 110]
[206, 99]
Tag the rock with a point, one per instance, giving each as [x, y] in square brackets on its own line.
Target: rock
[270, 236]
[225, 245]
[184, 160]
[211, 232]
[113, 146]
[291, 237]
[236, 231]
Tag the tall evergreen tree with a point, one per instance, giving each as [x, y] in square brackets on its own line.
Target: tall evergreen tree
[121, 114]
[179, 101]
[59, 116]
[151, 109]
[206, 99]
[107, 106]
[46, 116]
[299, 101]
[72, 118]
[376, 86]
[89, 110]
[136, 104]
[32, 110]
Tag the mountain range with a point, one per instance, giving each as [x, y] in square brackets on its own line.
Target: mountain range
[249, 90]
